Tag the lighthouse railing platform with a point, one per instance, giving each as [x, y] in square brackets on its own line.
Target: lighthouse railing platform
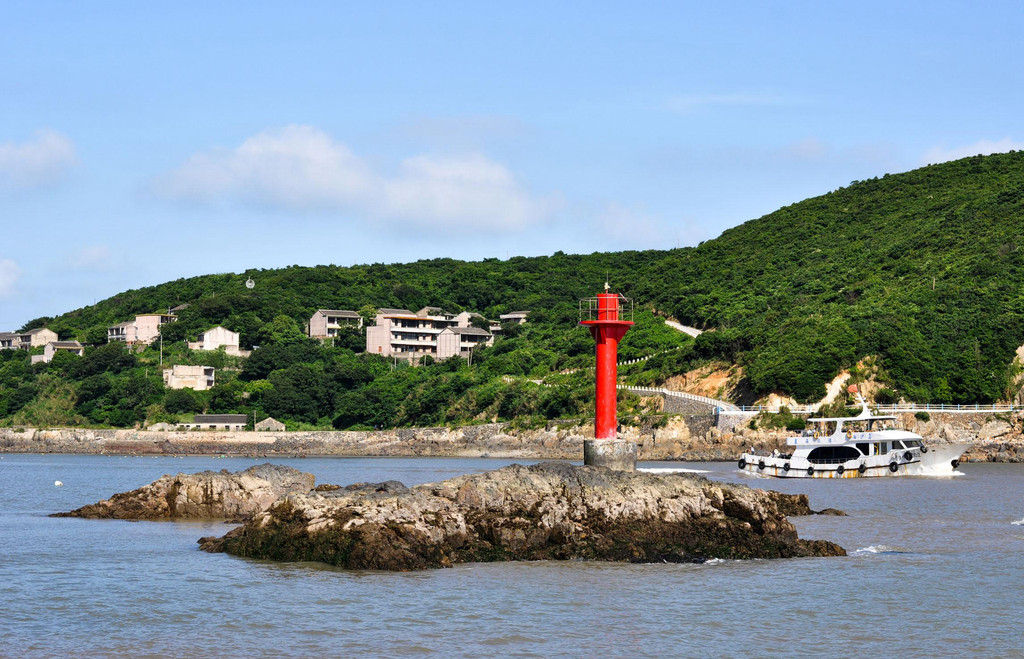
[598, 308]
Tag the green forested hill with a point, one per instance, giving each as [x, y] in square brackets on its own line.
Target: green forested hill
[922, 270]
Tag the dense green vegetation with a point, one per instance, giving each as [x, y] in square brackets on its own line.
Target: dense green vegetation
[920, 270]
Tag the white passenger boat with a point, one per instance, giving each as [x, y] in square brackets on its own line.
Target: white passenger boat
[851, 447]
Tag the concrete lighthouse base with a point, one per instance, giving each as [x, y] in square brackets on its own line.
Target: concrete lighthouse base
[612, 453]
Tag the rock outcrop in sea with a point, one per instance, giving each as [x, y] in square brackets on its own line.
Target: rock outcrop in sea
[545, 511]
[206, 495]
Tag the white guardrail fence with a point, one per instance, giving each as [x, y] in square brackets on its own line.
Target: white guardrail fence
[723, 406]
[892, 409]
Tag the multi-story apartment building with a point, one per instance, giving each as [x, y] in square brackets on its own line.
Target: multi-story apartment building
[325, 323]
[412, 336]
[144, 329]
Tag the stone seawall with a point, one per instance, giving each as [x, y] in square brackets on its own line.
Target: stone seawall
[998, 438]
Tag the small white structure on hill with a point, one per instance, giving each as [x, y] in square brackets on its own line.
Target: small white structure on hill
[517, 317]
[197, 378]
[218, 337]
[270, 424]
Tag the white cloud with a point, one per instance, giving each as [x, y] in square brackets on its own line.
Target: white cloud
[9, 275]
[302, 168]
[687, 103]
[981, 147]
[96, 258]
[38, 161]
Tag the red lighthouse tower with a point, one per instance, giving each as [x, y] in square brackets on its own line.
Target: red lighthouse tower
[602, 315]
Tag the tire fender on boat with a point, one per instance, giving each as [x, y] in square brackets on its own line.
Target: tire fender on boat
[785, 467]
[810, 470]
[742, 464]
[954, 463]
[924, 449]
[862, 468]
[908, 456]
[760, 465]
[894, 467]
[839, 470]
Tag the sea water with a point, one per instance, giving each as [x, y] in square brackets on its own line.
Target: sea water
[934, 569]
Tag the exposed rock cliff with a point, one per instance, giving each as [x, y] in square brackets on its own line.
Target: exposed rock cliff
[206, 495]
[545, 511]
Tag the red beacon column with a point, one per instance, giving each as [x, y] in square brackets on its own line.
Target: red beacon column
[603, 317]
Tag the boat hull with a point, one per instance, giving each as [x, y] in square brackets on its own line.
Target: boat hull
[938, 460]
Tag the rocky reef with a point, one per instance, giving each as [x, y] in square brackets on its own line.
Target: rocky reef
[545, 511]
[206, 495]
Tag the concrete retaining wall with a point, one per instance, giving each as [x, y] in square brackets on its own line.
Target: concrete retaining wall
[685, 437]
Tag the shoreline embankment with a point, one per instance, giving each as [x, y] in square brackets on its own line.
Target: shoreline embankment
[996, 438]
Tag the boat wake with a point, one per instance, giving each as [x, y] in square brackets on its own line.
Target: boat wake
[876, 549]
[671, 470]
[938, 471]
[1019, 522]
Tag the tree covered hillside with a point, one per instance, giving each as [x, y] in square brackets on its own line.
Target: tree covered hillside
[921, 270]
[924, 269]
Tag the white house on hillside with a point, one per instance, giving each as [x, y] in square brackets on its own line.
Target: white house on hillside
[218, 337]
[197, 378]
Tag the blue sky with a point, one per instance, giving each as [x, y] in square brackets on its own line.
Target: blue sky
[140, 142]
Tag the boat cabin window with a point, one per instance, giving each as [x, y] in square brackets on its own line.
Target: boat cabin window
[832, 454]
[864, 448]
[896, 445]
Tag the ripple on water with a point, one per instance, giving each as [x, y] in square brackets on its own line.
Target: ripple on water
[944, 549]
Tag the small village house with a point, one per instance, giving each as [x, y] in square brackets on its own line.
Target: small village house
[144, 329]
[270, 424]
[53, 347]
[325, 323]
[196, 378]
[216, 422]
[219, 337]
[27, 340]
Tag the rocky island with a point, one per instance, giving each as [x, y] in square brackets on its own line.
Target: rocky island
[546, 511]
[206, 495]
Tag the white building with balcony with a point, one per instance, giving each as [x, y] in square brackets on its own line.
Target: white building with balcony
[144, 329]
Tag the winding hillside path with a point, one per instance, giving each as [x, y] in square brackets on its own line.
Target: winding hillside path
[685, 329]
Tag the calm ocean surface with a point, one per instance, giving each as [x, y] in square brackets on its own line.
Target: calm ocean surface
[935, 569]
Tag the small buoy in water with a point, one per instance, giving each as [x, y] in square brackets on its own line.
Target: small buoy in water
[58, 484]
